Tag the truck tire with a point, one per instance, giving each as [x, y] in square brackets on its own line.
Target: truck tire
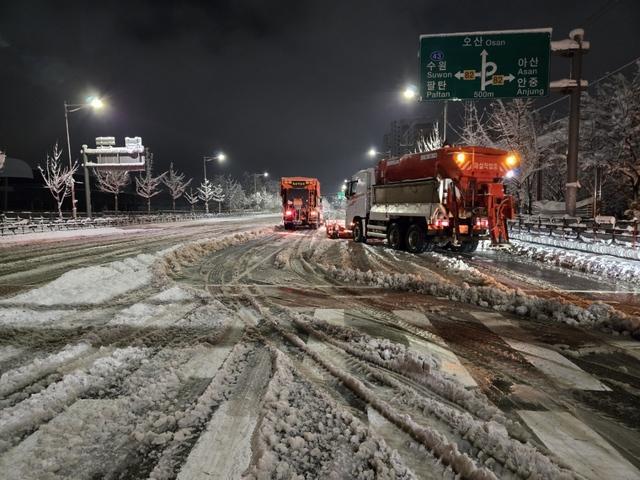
[395, 236]
[415, 239]
[358, 232]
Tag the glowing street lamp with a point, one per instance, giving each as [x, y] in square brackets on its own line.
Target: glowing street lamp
[410, 92]
[220, 157]
[255, 179]
[96, 104]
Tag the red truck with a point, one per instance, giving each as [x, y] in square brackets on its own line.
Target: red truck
[451, 197]
[301, 206]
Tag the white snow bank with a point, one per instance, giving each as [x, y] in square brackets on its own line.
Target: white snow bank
[592, 263]
[67, 234]
[92, 285]
[498, 297]
[622, 251]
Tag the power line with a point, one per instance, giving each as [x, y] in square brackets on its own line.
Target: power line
[599, 13]
[591, 84]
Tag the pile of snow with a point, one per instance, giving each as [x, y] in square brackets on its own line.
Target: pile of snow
[172, 295]
[26, 317]
[181, 434]
[490, 437]
[595, 264]
[622, 251]
[40, 407]
[498, 297]
[447, 452]
[189, 254]
[92, 285]
[424, 372]
[304, 434]
[22, 376]
[391, 355]
[282, 258]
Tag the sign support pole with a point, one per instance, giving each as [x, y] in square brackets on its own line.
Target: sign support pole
[87, 187]
[444, 120]
[574, 130]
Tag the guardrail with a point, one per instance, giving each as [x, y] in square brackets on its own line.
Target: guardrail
[13, 223]
[599, 229]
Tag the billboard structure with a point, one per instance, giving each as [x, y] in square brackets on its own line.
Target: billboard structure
[106, 156]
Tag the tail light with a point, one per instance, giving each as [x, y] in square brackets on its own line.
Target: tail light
[441, 222]
[482, 223]
[288, 213]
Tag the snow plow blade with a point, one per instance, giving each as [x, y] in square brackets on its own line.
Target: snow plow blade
[336, 230]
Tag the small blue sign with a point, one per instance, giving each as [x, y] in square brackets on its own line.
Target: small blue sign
[437, 56]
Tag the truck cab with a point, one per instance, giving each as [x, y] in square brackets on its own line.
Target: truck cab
[358, 194]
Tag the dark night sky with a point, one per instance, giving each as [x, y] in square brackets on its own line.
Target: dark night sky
[293, 87]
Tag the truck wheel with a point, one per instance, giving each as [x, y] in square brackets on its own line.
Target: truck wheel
[358, 233]
[395, 238]
[415, 239]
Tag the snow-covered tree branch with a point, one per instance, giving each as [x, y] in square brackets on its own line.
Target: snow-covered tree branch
[176, 183]
[112, 181]
[57, 178]
[148, 186]
[192, 198]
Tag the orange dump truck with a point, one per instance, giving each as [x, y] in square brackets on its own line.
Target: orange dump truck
[301, 206]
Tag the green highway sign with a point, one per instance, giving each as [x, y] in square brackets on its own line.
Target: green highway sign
[481, 65]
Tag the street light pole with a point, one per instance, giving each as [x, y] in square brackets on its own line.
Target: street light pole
[221, 157]
[74, 209]
[96, 104]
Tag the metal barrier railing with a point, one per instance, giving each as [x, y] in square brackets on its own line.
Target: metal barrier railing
[603, 229]
[14, 223]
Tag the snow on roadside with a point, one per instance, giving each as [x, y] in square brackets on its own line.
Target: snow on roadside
[623, 251]
[67, 234]
[592, 263]
[496, 296]
[92, 285]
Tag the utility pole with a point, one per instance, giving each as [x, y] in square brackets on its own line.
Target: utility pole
[574, 47]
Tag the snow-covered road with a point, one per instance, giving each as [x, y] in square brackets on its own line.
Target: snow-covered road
[239, 350]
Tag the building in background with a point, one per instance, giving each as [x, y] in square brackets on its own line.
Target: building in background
[404, 134]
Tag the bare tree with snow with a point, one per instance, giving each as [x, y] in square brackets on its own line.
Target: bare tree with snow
[474, 127]
[206, 192]
[234, 195]
[148, 186]
[176, 183]
[218, 196]
[432, 142]
[112, 181]
[58, 178]
[192, 198]
[613, 119]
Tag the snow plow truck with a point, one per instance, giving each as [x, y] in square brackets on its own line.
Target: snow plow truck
[452, 197]
[301, 203]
